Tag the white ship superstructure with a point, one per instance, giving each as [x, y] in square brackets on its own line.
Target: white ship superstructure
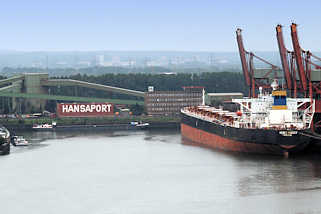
[265, 112]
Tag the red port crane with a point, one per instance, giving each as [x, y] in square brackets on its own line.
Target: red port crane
[247, 60]
[298, 57]
[308, 85]
[243, 57]
[284, 57]
[297, 61]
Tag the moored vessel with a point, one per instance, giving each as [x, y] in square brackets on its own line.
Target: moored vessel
[44, 127]
[140, 125]
[272, 123]
[4, 141]
[19, 141]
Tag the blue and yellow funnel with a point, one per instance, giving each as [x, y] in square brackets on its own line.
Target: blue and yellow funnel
[279, 100]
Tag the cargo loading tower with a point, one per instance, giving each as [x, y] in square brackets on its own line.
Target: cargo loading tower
[255, 77]
[301, 73]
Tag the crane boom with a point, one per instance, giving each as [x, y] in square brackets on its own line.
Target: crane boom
[283, 56]
[243, 57]
[298, 56]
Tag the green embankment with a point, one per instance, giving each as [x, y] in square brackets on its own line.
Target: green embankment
[87, 121]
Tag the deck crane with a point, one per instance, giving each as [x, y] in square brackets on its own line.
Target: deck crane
[247, 60]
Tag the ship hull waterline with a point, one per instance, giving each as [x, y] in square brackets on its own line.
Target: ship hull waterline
[225, 138]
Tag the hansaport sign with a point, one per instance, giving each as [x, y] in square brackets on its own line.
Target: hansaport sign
[84, 109]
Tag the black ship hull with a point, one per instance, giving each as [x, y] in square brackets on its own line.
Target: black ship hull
[5, 148]
[227, 138]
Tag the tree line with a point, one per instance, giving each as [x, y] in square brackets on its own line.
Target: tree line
[212, 81]
[100, 70]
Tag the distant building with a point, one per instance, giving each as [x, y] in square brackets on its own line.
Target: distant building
[100, 60]
[83, 63]
[211, 60]
[132, 63]
[115, 61]
[171, 102]
[107, 64]
[37, 65]
[61, 64]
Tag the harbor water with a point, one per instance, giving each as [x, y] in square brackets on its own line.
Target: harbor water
[150, 172]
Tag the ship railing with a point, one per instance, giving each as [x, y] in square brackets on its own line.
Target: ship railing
[205, 114]
[197, 115]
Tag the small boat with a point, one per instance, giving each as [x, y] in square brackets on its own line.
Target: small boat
[19, 141]
[140, 125]
[44, 127]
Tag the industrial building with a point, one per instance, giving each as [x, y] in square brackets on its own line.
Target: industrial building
[171, 102]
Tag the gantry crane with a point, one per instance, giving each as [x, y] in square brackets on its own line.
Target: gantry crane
[288, 64]
[301, 74]
[310, 75]
[251, 79]
[309, 85]
[284, 57]
[298, 58]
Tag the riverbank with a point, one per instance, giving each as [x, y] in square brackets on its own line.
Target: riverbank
[111, 123]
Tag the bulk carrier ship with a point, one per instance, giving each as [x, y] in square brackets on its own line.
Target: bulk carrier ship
[272, 123]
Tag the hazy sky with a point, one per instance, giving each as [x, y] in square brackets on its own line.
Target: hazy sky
[187, 25]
